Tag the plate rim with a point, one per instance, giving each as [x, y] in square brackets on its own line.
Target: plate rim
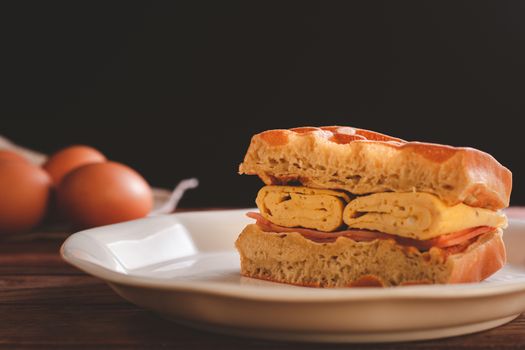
[269, 293]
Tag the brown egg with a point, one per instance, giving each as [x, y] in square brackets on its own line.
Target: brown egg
[70, 158]
[103, 193]
[11, 155]
[24, 194]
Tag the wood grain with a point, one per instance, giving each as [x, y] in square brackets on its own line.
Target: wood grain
[46, 304]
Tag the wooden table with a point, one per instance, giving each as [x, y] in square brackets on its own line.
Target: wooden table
[44, 303]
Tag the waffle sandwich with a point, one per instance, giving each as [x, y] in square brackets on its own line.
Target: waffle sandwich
[348, 207]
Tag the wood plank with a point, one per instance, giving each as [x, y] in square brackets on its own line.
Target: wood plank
[55, 290]
[39, 257]
[37, 270]
[123, 325]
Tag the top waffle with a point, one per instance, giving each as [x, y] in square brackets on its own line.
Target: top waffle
[362, 161]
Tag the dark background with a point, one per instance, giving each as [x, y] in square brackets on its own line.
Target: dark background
[176, 90]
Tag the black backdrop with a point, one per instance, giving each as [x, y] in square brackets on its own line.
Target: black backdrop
[177, 89]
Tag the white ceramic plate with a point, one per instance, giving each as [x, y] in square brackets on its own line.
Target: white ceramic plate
[184, 266]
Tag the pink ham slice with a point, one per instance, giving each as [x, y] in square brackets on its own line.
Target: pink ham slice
[443, 241]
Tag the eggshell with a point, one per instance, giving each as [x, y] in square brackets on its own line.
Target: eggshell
[11, 155]
[64, 161]
[24, 195]
[103, 193]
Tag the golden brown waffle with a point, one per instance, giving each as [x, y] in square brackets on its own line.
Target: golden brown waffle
[361, 161]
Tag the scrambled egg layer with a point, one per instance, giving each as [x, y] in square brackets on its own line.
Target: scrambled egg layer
[416, 215]
[297, 206]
